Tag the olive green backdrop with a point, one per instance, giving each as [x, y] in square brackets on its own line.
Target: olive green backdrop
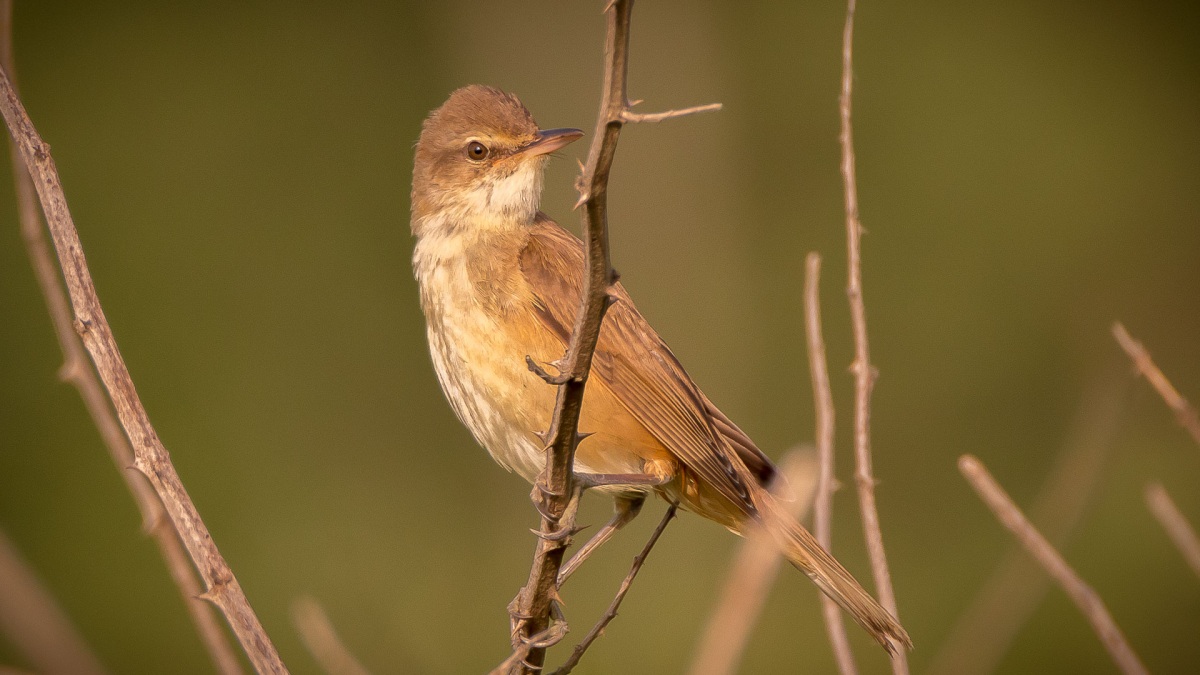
[239, 173]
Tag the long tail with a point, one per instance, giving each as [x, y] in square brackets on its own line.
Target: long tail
[803, 551]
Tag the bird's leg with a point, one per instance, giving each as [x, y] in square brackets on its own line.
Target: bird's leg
[626, 508]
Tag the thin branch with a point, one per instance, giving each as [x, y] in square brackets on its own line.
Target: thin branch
[555, 488]
[751, 575]
[76, 370]
[626, 584]
[1178, 528]
[1084, 597]
[826, 483]
[864, 372]
[34, 623]
[321, 639]
[632, 117]
[982, 635]
[150, 457]
[1185, 414]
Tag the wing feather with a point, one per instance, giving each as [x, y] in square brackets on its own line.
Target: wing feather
[634, 363]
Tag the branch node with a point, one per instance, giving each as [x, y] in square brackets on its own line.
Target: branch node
[82, 326]
[560, 378]
[71, 371]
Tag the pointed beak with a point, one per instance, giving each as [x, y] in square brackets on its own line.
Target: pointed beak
[549, 140]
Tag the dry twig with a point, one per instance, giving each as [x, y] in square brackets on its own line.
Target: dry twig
[826, 483]
[611, 612]
[1084, 597]
[751, 575]
[556, 489]
[864, 372]
[34, 623]
[321, 639]
[987, 628]
[150, 457]
[1185, 414]
[1177, 527]
[76, 370]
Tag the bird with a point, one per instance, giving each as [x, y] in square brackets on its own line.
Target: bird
[499, 284]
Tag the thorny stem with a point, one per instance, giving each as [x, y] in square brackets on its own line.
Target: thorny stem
[77, 371]
[532, 607]
[150, 457]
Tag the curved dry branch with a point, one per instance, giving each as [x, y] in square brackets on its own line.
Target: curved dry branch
[752, 573]
[626, 583]
[826, 483]
[1176, 525]
[76, 370]
[1084, 597]
[34, 624]
[985, 631]
[864, 372]
[1185, 414]
[150, 457]
[321, 638]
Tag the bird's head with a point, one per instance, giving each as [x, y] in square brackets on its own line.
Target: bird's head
[479, 160]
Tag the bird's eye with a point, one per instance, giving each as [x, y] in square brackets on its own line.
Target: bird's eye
[476, 151]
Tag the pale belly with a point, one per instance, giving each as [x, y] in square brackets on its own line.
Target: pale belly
[484, 377]
[480, 362]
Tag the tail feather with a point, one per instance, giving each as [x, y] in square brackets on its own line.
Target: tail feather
[807, 555]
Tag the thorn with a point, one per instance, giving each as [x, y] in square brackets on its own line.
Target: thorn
[583, 197]
[543, 436]
[580, 436]
[139, 466]
[636, 101]
[547, 491]
[560, 535]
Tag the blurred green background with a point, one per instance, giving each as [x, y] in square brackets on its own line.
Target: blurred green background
[239, 173]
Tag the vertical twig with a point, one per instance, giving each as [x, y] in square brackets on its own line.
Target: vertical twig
[984, 632]
[150, 457]
[556, 487]
[1084, 597]
[319, 636]
[864, 372]
[751, 576]
[1177, 527]
[34, 623]
[611, 612]
[78, 372]
[1185, 414]
[826, 484]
